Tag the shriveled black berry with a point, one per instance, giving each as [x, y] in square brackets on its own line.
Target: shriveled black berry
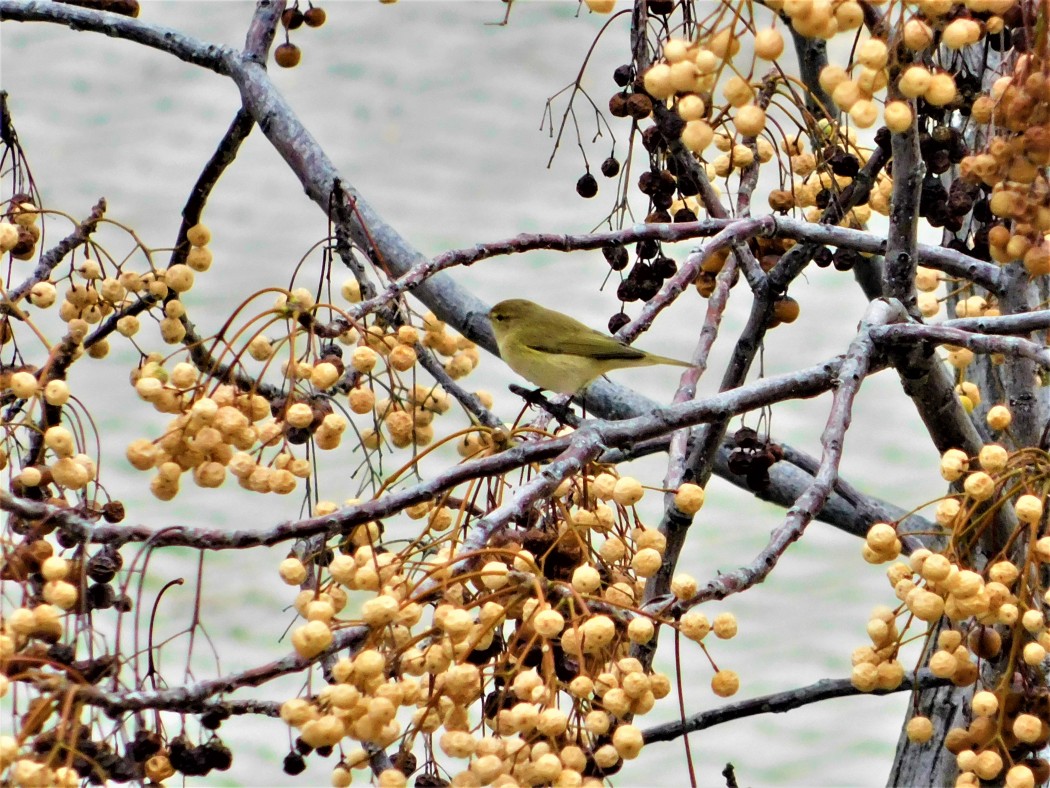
[882, 139]
[845, 259]
[822, 257]
[616, 256]
[664, 267]
[663, 200]
[647, 248]
[844, 164]
[684, 215]
[104, 565]
[217, 755]
[653, 140]
[618, 321]
[294, 764]
[627, 291]
[610, 167]
[649, 182]
[660, 7]
[587, 186]
[213, 718]
[687, 185]
[623, 75]
[101, 596]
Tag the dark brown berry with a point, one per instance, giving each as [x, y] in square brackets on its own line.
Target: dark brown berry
[616, 257]
[639, 106]
[623, 75]
[587, 186]
[618, 105]
[292, 18]
[610, 167]
[618, 321]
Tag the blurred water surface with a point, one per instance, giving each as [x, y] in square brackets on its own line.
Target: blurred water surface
[436, 116]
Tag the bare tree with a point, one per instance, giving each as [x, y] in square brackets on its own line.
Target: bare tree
[495, 618]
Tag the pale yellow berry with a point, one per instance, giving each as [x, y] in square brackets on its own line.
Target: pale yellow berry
[1020, 776]
[628, 491]
[999, 417]
[689, 498]
[694, 626]
[23, 385]
[586, 579]
[548, 623]
[627, 739]
[954, 463]
[311, 639]
[641, 630]
[683, 586]
[725, 683]
[494, 575]
[984, 703]
[993, 458]
[292, 571]
[1033, 654]
[768, 43]
[647, 562]
[979, 485]
[364, 359]
[724, 625]
[919, 730]
[989, 764]
[1029, 509]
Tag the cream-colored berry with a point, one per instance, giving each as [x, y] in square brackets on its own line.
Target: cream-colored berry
[641, 630]
[1033, 654]
[627, 739]
[919, 730]
[954, 463]
[769, 43]
[548, 623]
[684, 586]
[628, 491]
[311, 639]
[292, 571]
[979, 486]
[586, 579]
[647, 562]
[984, 703]
[694, 626]
[993, 458]
[24, 385]
[1029, 509]
[725, 683]
[689, 498]
[724, 626]
[999, 417]
[1020, 776]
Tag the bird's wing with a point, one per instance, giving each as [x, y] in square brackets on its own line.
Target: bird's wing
[592, 344]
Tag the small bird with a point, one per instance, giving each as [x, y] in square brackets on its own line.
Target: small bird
[557, 352]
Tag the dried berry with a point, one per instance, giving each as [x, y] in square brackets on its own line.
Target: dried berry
[587, 186]
[610, 167]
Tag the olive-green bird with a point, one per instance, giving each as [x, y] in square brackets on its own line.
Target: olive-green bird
[557, 352]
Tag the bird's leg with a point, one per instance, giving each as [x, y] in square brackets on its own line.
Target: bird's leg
[563, 413]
